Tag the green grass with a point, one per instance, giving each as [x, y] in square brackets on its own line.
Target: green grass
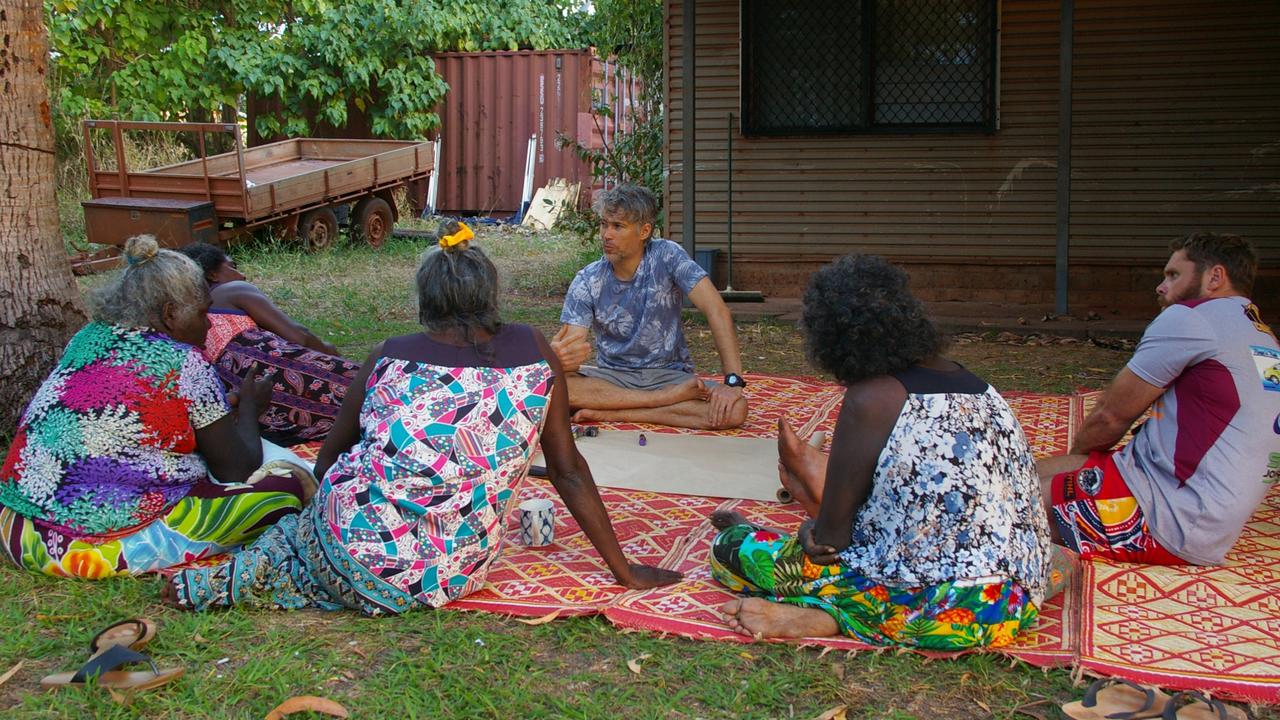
[444, 664]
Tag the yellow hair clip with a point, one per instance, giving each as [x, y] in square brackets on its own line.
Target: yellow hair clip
[464, 234]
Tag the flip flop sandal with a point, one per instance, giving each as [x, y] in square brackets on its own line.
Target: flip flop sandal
[106, 668]
[134, 633]
[1116, 699]
[1191, 705]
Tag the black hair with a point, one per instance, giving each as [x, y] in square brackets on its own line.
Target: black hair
[208, 257]
[457, 288]
[860, 320]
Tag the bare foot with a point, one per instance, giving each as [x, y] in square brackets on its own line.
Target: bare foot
[721, 519]
[691, 389]
[169, 594]
[758, 618]
[802, 467]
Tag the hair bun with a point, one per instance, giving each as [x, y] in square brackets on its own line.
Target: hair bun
[140, 248]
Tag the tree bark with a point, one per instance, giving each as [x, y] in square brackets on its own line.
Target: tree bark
[40, 304]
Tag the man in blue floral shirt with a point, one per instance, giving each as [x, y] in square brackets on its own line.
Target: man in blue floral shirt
[631, 300]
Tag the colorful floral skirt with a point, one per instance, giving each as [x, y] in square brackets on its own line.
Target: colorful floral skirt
[298, 563]
[309, 384]
[948, 616]
[211, 519]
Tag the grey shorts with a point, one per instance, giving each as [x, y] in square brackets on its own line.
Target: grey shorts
[644, 379]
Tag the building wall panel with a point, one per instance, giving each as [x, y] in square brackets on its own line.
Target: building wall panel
[1176, 112]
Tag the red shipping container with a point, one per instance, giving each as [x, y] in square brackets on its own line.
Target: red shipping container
[496, 102]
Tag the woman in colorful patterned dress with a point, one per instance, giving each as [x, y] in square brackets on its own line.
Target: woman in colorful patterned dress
[419, 468]
[246, 328]
[109, 470]
[926, 528]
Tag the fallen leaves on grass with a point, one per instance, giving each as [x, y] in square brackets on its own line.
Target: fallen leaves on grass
[11, 672]
[838, 712]
[307, 703]
[634, 665]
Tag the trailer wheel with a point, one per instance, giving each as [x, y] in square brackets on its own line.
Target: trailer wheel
[372, 221]
[318, 228]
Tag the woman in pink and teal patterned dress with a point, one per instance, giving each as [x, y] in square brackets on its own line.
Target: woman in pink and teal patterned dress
[109, 470]
[419, 467]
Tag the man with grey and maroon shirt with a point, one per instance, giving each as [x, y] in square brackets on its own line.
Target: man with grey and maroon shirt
[1208, 369]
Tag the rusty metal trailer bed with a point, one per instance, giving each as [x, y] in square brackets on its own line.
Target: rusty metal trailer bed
[292, 186]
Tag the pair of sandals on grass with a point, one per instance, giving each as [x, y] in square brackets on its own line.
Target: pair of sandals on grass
[113, 648]
[1115, 699]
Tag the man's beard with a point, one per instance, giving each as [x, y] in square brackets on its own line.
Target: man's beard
[1193, 292]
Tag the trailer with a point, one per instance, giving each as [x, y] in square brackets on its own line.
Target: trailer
[296, 188]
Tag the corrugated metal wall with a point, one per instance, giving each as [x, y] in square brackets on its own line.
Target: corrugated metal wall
[935, 195]
[1176, 107]
[1177, 125]
[498, 100]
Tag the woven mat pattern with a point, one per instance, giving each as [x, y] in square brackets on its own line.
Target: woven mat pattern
[1215, 629]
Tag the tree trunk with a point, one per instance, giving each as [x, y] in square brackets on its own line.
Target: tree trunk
[40, 305]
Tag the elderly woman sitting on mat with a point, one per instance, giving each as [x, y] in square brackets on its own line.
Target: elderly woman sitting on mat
[109, 470]
[246, 328]
[420, 468]
[926, 528]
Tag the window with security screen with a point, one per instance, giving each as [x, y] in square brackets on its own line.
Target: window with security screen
[848, 66]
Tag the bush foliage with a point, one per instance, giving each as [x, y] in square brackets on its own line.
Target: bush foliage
[196, 59]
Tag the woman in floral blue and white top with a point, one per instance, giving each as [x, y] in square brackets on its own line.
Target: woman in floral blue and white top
[927, 528]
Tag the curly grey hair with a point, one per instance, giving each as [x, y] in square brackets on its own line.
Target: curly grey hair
[152, 279]
[633, 202]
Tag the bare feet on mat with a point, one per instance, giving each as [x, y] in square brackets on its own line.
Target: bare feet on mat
[758, 618]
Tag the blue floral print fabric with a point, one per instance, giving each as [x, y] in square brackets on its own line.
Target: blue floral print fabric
[956, 496]
[636, 322]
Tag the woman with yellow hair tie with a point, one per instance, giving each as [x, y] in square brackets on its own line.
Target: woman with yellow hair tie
[421, 466]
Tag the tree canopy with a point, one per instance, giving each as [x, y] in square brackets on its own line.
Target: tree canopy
[189, 59]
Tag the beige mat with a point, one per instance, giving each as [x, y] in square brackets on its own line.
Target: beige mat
[706, 465]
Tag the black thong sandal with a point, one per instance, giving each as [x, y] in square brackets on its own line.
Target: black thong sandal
[1192, 705]
[106, 665]
[1117, 699]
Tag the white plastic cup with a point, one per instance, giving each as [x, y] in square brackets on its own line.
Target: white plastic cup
[537, 522]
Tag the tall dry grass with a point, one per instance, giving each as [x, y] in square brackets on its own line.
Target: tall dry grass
[142, 150]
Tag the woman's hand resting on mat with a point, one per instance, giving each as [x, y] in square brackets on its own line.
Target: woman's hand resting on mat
[648, 576]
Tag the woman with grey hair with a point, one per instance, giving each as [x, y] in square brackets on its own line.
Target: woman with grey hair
[421, 466]
[109, 470]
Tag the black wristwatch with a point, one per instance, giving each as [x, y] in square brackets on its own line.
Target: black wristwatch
[734, 380]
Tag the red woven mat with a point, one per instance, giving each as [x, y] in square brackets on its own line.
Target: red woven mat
[1205, 628]
[1184, 627]
[568, 577]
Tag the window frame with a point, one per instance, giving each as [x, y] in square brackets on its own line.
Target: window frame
[867, 32]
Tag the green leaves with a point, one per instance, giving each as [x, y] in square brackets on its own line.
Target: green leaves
[139, 59]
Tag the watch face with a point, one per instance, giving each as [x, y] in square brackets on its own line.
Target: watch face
[734, 380]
